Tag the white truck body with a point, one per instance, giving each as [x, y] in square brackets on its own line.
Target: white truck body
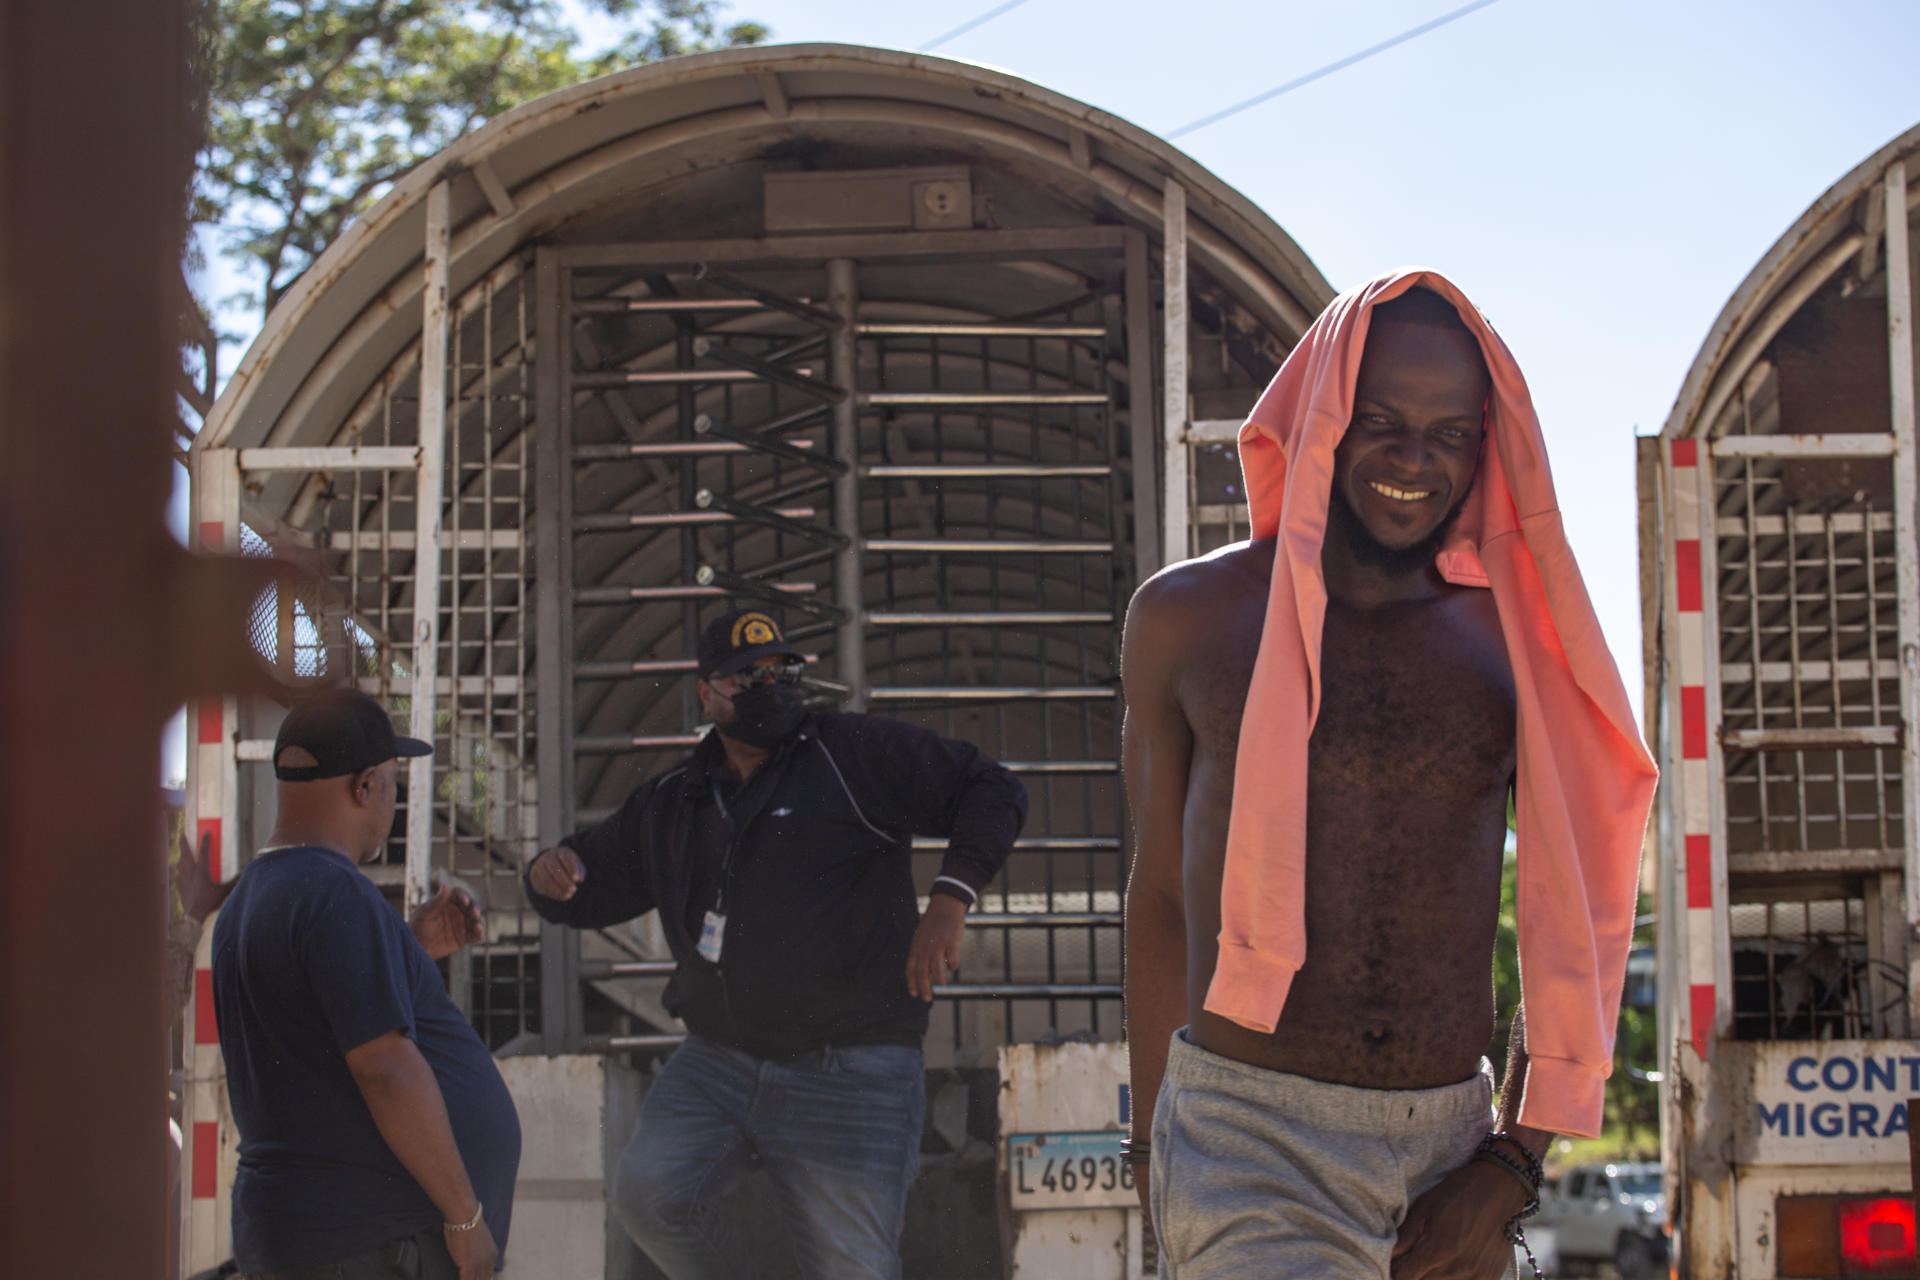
[1782, 596]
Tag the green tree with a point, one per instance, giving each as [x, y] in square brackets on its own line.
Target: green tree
[315, 107]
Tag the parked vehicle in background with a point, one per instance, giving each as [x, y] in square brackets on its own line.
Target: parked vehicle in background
[1608, 1213]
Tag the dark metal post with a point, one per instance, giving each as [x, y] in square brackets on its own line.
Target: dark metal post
[553, 629]
[843, 354]
[93, 193]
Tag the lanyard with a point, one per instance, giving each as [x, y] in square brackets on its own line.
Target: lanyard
[726, 856]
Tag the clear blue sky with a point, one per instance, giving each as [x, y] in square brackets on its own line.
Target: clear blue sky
[1598, 177]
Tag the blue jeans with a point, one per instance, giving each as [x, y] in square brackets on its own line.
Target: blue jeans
[838, 1130]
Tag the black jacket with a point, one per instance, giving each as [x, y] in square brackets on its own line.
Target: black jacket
[818, 894]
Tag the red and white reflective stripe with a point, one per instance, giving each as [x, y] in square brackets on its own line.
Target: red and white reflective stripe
[1696, 811]
[207, 1154]
[203, 1232]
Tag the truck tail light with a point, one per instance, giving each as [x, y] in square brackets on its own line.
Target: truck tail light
[1876, 1237]
[1845, 1236]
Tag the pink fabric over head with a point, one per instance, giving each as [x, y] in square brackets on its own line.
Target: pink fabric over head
[1585, 779]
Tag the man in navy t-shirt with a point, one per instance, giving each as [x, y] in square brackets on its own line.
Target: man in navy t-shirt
[377, 1138]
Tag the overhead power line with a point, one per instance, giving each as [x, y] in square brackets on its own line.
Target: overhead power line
[971, 23]
[1412, 33]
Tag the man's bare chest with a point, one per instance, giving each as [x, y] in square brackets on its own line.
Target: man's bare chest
[1420, 706]
[1420, 697]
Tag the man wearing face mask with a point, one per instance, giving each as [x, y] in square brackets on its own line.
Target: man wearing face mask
[777, 854]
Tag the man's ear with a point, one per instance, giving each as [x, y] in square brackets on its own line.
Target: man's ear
[360, 786]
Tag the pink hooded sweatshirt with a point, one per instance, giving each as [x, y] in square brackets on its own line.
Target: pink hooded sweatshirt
[1585, 778]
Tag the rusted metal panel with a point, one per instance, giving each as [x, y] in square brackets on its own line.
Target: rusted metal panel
[1757, 1252]
[106, 624]
[1067, 1092]
[1703, 1199]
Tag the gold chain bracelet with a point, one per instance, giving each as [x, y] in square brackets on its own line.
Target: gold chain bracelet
[453, 1228]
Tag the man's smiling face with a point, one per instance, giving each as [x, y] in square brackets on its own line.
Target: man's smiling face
[1408, 458]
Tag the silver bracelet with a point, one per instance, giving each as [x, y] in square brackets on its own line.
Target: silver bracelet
[453, 1228]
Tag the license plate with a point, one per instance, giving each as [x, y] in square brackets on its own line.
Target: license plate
[1069, 1171]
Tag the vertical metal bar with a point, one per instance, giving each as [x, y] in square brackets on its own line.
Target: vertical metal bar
[89, 254]
[553, 638]
[284, 639]
[1716, 770]
[1142, 419]
[1889, 1011]
[1684, 777]
[843, 355]
[1794, 657]
[1843, 839]
[426, 544]
[383, 651]
[686, 473]
[523, 835]
[1879, 754]
[488, 605]
[1173, 414]
[1905, 493]
[1753, 623]
[1656, 559]
[455, 764]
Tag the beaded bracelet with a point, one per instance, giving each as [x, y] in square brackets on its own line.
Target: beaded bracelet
[1495, 1149]
[1513, 1170]
[1535, 1169]
[454, 1228]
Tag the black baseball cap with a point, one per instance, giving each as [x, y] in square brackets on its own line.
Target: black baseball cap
[735, 641]
[346, 731]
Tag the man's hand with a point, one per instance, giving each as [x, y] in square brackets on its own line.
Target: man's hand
[557, 873]
[200, 894]
[474, 1252]
[936, 944]
[447, 923]
[1458, 1228]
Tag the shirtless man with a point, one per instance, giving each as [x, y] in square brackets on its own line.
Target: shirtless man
[1343, 1143]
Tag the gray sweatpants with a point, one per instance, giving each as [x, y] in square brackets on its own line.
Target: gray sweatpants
[1257, 1173]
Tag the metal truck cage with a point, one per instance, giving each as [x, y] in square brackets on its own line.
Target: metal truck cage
[1782, 595]
[936, 361]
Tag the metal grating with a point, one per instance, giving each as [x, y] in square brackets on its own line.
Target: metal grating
[355, 530]
[1809, 642]
[1036, 691]
[676, 384]
[1803, 971]
[995, 553]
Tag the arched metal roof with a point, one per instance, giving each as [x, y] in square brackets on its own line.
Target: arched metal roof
[1834, 231]
[614, 143]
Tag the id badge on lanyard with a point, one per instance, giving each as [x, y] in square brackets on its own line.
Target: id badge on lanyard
[713, 935]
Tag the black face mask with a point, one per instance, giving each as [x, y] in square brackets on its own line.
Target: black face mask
[765, 715]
